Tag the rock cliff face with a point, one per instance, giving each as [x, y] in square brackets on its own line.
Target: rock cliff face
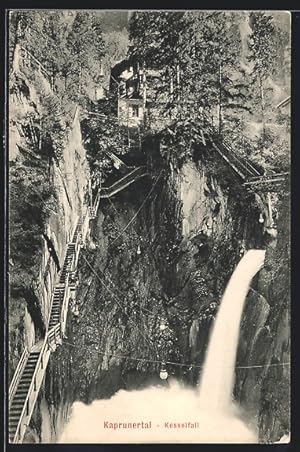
[69, 179]
[230, 224]
[173, 262]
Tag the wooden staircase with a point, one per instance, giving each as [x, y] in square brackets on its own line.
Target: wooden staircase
[30, 372]
[124, 182]
[57, 301]
[68, 262]
[250, 174]
[19, 398]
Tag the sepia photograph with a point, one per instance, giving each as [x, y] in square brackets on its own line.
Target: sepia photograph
[148, 158]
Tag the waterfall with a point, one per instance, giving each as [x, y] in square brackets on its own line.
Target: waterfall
[209, 413]
[218, 375]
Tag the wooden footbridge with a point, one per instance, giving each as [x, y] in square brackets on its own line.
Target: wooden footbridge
[250, 175]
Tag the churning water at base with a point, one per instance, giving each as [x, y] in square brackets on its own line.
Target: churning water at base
[175, 414]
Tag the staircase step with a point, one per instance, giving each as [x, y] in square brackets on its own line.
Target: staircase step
[25, 381]
[18, 403]
[27, 374]
[31, 364]
[26, 377]
[24, 386]
[19, 398]
[16, 411]
[21, 391]
[13, 420]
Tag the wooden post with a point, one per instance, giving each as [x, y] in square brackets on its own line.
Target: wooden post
[40, 136]
[270, 208]
[178, 81]
[220, 99]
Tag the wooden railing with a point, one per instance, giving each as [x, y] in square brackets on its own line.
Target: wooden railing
[29, 60]
[267, 178]
[33, 391]
[52, 339]
[242, 166]
[93, 210]
[55, 336]
[64, 307]
[124, 182]
[15, 380]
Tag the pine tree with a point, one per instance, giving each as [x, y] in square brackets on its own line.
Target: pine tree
[262, 54]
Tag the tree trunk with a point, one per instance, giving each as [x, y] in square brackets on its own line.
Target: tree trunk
[40, 136]
[262, 101]
[14, 46]
[80, 75]
[220, 99]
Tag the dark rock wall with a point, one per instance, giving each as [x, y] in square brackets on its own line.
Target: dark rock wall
[191, 233]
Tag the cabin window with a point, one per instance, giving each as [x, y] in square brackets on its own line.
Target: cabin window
[135, 111]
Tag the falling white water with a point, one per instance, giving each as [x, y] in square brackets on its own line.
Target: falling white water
[176, 414]
[218, 374]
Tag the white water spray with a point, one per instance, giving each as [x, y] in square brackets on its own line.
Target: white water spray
[218, 376]
[206, 417]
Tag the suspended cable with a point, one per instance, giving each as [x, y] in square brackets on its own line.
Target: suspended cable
[156, 361]
[115, 209]
[138, 211]
[118, 301]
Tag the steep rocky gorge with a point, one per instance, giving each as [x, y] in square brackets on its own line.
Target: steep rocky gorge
[173, 263]
[66, 179]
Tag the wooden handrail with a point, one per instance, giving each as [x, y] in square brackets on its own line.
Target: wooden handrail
[64, 305]
[125, 181]
[237, 170]
[269, 176]
[34, 387]
[27, 52]
[55, 333]
[15, 380]
[27, 409]
[246, 164]
[268, 180]
[52, 337]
